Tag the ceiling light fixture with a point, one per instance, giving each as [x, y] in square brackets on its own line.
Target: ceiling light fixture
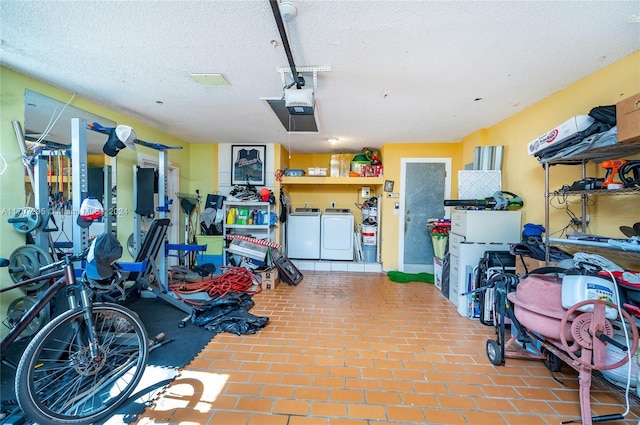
[288, 11]
[333, 140]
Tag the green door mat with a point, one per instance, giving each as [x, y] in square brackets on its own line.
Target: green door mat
[402, 277]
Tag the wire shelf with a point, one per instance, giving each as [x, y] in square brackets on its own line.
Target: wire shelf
[600, 248]
[619, 150]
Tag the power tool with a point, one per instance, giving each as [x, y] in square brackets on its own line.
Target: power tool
[613, 169]
[500, 200]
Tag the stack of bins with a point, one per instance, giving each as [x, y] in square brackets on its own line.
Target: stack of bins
[370, 231]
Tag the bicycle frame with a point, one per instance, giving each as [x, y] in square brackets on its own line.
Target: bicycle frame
[65, 276]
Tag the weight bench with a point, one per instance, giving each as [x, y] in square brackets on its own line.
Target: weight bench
[144, 270]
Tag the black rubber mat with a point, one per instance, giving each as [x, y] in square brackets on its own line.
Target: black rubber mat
[181, 344]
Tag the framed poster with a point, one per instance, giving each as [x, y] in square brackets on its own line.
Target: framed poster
[247, 164]
[388, 185]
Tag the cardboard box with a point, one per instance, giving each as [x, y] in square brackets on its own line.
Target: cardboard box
[560, 133]
[531, 264]
[628, 119]
[269, 279]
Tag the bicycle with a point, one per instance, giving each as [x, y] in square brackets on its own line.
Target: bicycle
[83, 364]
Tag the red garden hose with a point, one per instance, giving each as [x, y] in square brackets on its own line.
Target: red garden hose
[233, 279]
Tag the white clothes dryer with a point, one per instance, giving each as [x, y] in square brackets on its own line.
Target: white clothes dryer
[337, 234]
[303, 234]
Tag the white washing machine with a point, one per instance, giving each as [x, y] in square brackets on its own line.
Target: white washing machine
[303, 234]
[337, 234]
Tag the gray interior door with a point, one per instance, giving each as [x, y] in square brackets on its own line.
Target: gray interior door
[424, 199]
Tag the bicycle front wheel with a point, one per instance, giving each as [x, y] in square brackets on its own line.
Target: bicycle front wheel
[59, 380]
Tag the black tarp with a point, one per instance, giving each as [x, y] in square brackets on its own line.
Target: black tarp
[229, 313]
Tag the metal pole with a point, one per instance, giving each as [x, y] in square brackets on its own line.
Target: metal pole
[80, 187]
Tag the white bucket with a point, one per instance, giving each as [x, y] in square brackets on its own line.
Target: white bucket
[369, 234]
[577, 288]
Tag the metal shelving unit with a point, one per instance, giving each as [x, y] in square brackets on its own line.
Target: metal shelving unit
[265, 231]
[618, 150]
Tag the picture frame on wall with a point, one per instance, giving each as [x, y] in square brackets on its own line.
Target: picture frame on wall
[388, 185]
[247, 165]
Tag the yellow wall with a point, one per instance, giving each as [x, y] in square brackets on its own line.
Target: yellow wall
[202, 171]
[523, 175]
[392, 155]
[321, 196]
[348, 196]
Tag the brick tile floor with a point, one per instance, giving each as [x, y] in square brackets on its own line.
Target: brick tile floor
[357, 349]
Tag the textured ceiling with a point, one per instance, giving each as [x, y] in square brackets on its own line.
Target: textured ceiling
[401, 71]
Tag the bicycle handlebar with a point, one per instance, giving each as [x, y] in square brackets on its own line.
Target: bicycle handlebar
[65, 261]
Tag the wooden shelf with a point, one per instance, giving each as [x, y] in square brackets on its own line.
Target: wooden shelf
[358, 181]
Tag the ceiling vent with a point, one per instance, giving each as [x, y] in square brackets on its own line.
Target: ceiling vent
[299, 101]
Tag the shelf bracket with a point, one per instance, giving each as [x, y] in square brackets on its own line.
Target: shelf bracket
[285, 70]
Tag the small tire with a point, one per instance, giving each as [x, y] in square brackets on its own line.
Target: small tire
[494, 353]
[551, 361]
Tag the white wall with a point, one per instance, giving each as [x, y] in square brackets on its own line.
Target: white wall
[224, 168]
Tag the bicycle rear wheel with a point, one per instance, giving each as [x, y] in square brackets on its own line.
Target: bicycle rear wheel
[59, 382]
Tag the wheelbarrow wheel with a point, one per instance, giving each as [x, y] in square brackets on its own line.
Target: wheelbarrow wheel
[551, 362]
[494, 353]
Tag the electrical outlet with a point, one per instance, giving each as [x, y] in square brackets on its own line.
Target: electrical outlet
[333, 205]
[393, 195]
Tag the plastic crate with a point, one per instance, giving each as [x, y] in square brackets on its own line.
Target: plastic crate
[318, 172]
[216, 260]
